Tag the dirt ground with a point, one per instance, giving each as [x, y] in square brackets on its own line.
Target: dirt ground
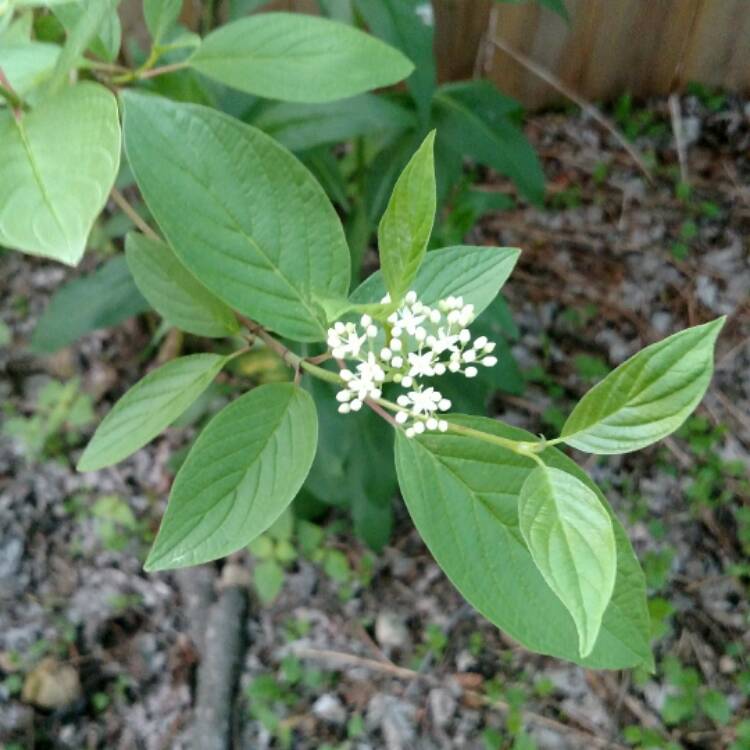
[379, 651]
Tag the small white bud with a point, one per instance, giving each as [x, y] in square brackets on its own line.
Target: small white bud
[439, 369]
[435, 316]
[339, 353]
[489, 361]
[385, 299]
[431, 341]
[490, 347]
[356, 404]
[346, 375]
[454, 316]
[372, 331]
[432, 423]
[396, 345]
[419, 427]
[407, 381]
[396, 331]
[480, 342]
[410, 432]
[339, 327]
[471, 372]
[411, 297]
[376, 393]
[465, 336]
[401, 417]
[469, 355]
[385, 353]
[444, 404]
[420, 334]
[402, 400]
[397, 377]
[397, 361]
[344, 408]
[442, 425]
[343, 396]
[365, 320]
[454, 366]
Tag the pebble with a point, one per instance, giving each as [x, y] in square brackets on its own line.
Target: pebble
[329, 708]
[391, 630]
[442, 706]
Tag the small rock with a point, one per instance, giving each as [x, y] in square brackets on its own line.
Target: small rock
[442, 706]
[396, 719]
[328, 707]
[391, 630]
[51, 684]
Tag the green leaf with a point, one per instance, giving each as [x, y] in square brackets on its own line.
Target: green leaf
[488, 138]
[405, 228]
[57, 166]
[570, 537]
[474, 273]
[647, 397]
[463, 495]
[106, 42]
[262, 234]
[82, 25]
[401, 23]
[304, 126]
[268, 578]
[27, 64]
[160, 16]
[298, 58]
[100, 300]
[239, 477]
[173, 292]
[149, 407]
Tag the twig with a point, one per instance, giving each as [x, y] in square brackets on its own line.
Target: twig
[154, 72]
[381, 412]
[124, 205]
[679, 136]
[344, 660]
[586, 106]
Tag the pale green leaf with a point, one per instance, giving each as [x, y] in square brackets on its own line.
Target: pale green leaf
[463, 494]
[105, 43]
[304, 126]
[261, 234]
[647, 397]
[405, 228]
[474, 273]
[160, 16]
[85, 22]
[149, 407]
[239, 477]
[110, 295]
[571, 540]
[27, 64]
[298, 58]
[18, 30]
[268, 578]
[57, 166]
[174, 292]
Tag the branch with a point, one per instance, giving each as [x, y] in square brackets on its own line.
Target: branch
[124, 205]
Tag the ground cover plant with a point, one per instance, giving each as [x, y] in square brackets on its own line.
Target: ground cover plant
[263, 261]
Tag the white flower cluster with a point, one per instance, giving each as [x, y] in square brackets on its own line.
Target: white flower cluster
[418, 341]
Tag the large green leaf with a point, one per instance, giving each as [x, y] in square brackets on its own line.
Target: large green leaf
[571, 540]
[102, 299]
[27, 64]
[303, 126]
[474, 273]
[241, 213]
[160, 16]
[174, 292]
[480, 132]
[405, 228]
[402, 24]
[463, 494]
[298, 58]
[239, 477]
[57, 166]
[149, 407]
[648, 396]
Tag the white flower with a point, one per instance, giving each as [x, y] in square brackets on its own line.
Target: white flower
[421, 364]
[344, 340]
[444, 341]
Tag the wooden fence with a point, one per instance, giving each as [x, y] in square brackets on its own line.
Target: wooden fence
[611, 46]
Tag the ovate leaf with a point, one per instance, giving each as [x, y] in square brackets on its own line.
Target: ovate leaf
[303, 126]
[298, 58]
[149, 407]
[648, 396]
[102, 299]
[241, 213]
[27, 64]
[57, 166]
[463, 496]
[239, 477]
[405, 228]
[160, 16]
[474, 273]
[174, 292]
[570, 537]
